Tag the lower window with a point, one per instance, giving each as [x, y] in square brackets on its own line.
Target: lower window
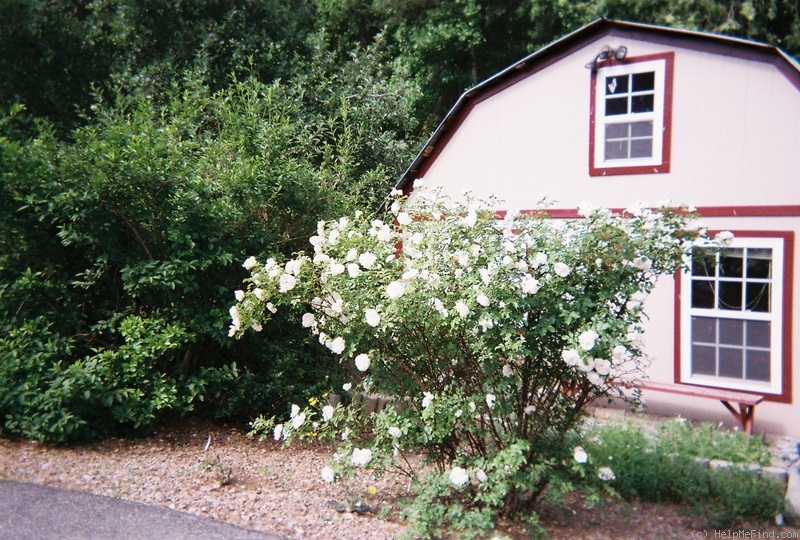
[732, 316]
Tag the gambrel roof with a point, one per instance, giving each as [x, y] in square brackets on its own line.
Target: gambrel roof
[552, 53]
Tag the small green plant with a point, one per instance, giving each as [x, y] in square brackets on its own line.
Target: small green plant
[739, 495]
[223, 470]
[706, 440]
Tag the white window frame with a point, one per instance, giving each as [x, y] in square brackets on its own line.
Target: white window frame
[775, 316]
[659, 68]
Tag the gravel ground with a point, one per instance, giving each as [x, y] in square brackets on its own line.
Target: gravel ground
[279, 490]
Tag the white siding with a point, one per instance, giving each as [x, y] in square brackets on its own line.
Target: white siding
[735, 138]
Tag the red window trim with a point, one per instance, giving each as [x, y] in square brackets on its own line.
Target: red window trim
[666, 147]
[788, 285]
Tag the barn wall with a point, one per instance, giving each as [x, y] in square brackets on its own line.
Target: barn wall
[735, 142]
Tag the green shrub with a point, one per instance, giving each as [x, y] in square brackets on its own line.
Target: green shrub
[739, 495]
[663, 465]
[126, 241]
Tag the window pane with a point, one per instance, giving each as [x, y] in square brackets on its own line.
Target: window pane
[617, 85]
[759, 263]
[758, 334]
[616, 106]
[758, 366]
[757, 297]
[616, 149]
[642, 129]
[703, 262]
[731, 363]
[704, 330]
[641, 148]
[731, 332]
[644, 81]
[731, 262]
[730, 295]
[642, 103]
[702, 294]
[704, 360]
[617, 131]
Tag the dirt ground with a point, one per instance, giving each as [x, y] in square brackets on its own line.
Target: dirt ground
[261, 485]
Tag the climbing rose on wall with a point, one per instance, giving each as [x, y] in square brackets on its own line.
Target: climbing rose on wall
[494, 334]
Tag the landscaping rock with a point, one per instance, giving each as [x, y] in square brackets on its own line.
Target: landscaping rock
[792, 511]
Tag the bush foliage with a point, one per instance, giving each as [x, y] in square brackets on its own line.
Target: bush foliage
[121, 246]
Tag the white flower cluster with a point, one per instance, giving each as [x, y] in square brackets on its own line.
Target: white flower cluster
[595, 367]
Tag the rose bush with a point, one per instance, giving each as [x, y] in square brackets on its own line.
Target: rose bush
[493, 333]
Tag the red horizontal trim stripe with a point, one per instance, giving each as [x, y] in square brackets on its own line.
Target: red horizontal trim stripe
[703, 211]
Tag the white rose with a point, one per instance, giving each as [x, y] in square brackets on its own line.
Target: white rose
[403, 218]
[286, 283]
[395, 290]
[298, 420]
[347, 386]
[471, 219]
[561, 269]
[570, 357]
[336, 268]
[490, 399]
[373, 317]
[587, 339]
[580, 454]
[539, 260]
[530, 285]
[725, 238]
[249, 263]
[333, 237]
[602, 366]
[483, 300]
[367, 260]
[395, 432]
[620, 354]
[605, 474]
[353, 270]
[459, 476]
[508, 371]
[308, 320]
[237, 322]
[481, 476]
[426, 400]
[361, 456]
[337, 345]
[327, 413]
[462, 308]
[362, 362]
[328, 475]
[293, 266]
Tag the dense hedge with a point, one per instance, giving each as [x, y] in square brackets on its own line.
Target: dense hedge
[120, 250]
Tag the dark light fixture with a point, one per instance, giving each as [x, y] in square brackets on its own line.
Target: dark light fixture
[607, 53]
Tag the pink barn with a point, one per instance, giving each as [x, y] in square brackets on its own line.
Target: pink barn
[615, 113]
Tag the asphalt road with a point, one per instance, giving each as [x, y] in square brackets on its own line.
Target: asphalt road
[31, 511]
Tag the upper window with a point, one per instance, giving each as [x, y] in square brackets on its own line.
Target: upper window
[631, 103]
[732, 317]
